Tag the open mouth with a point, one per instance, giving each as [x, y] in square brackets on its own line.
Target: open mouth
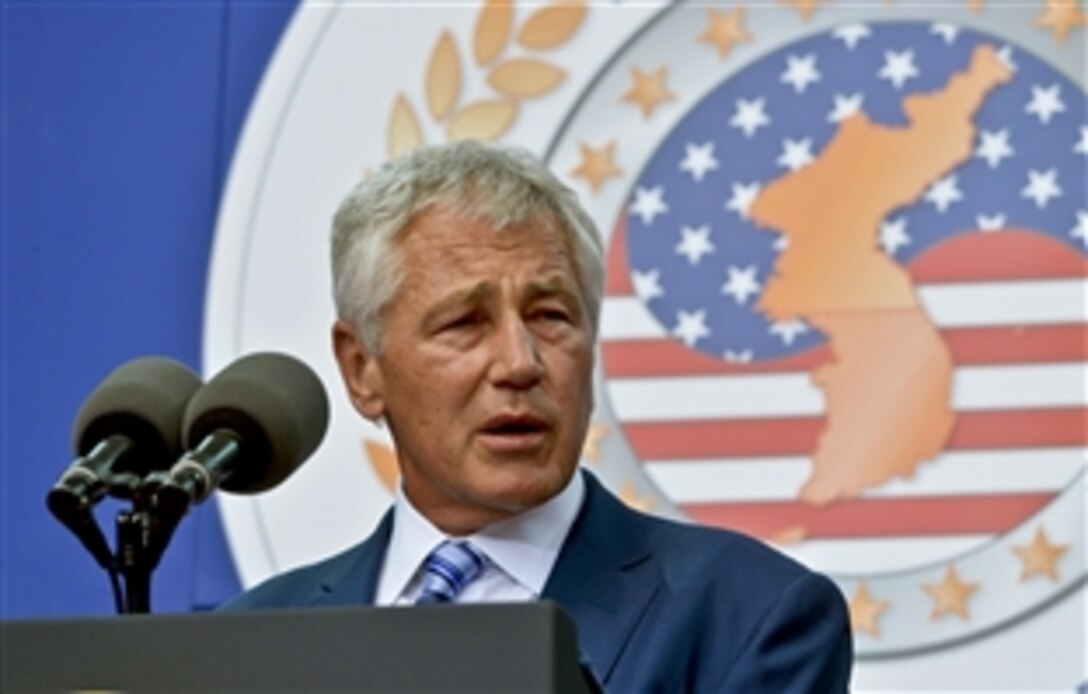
[514, 431]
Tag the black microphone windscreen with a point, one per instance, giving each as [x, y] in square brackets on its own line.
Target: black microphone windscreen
[275, 404]
[143, 400]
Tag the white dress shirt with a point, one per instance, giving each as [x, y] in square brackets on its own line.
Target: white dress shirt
[520, 550]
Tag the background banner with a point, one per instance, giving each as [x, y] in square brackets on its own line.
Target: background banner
[846, 277]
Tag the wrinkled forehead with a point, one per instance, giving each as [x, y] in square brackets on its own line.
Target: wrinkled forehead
[474, 226]
[440, 242]
[469, 200]
[478, 226]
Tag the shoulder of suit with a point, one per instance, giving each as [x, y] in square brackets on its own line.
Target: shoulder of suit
[686, 549]
[293, 587]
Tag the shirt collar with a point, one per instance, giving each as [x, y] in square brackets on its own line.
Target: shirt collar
[524, 547]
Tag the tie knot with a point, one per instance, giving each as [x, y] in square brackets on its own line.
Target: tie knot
[447, 570]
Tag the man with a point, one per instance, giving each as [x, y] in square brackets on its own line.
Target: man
[468, 286]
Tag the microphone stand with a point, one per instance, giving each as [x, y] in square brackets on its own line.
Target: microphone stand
[132, 560]
[142, 534]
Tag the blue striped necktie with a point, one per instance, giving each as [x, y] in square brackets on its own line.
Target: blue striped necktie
[447, 570]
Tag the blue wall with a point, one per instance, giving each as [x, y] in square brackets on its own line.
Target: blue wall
[120, 120]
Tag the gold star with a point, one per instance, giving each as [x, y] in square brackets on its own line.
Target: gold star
[591, 449]
[1040, 557]
[596, 166]
[725, 30]
[630, 496]
[865, 611]
[950, 595]
[975, 5]
[1061, 17]
[648, 90]
[804, 7]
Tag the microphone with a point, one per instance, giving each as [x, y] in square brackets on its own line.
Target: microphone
[128, 426]
[248, 429]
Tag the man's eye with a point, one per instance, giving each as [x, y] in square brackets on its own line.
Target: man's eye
[463, 321]
[553, 314]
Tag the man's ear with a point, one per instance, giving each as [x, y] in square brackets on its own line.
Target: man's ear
[360, 370]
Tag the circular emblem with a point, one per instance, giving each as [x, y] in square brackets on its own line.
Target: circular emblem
[844, 309]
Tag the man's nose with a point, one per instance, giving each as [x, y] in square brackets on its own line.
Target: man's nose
[516, 360]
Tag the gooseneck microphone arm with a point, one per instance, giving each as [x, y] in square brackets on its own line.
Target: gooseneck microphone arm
[202, 470]
[81, 486]
[87, 481]
[190, 481]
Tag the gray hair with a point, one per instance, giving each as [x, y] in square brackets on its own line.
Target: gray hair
[503, 186]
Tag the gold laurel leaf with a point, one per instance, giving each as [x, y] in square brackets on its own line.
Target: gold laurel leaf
[443, 77]
[383, 460]
[483, 120]
[492, 30]
[525, 78]
[552, 25]
[404, 133]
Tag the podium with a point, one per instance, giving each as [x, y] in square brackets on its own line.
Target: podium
[495, 647]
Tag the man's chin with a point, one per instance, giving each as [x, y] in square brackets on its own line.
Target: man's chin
[519, 494]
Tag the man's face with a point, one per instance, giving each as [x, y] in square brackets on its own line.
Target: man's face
[485, 374]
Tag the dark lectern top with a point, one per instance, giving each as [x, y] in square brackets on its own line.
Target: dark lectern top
[515, 647]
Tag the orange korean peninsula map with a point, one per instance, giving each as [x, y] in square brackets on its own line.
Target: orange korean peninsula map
[888, 387]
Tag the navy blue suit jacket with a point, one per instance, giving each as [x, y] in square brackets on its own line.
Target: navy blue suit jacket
[658, 605]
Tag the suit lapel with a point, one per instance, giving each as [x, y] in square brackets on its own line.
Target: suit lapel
[355, 580]
[604, 577]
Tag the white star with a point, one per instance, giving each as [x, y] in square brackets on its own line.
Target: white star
[994, 147]
[845, 106]
[795, 154]
[1082, 146]
[750, 116]
[1080, 231]
[647, 285]
[946, 31]
[943, 193]
[851, 34]
[898, 67]
[893, 235]
[801, 72]
[698, 159]
[691, 327]
[990, 223]
[1004, 54]
[1045, 102]
[743, 356]
[743, 197]
[741, 283]
[1041, 187]
[649, 203]
[780, 243]
[695, 243]
[788, 331]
